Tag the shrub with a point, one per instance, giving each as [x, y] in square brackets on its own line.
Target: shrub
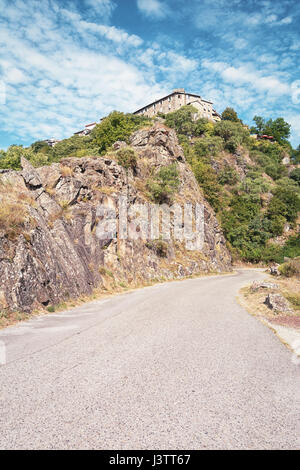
[228, 130]
[290, 268]
[232, 144]
[295, 175]
[126, 157]
[164, 184]
[287, 202]
[208, 181]
[208, 146]
[116, 126]
[160, 247]
[228, 176]
[182, 120]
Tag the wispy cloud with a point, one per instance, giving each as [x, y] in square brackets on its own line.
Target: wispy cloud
[67, 62]
[153, 8]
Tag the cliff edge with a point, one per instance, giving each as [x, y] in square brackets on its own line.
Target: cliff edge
[50, 249]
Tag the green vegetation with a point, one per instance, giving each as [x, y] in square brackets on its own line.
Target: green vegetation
[252, 210]
[116, 126]
[242, 178]
[278, 128]
[295, 175]
[229, 114]
[164, 184]
[291, 268]
[126, 157]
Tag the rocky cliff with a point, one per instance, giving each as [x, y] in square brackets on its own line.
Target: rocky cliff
[49, 249]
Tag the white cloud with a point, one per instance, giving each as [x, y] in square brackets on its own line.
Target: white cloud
[246, 74]
[154, 8]
[100, 7]
[59, 78]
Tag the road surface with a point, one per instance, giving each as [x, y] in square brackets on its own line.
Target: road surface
[178, 365]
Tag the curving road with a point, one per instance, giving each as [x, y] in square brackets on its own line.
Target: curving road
[175, 366]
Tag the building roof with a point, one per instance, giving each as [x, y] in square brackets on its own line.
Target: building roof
[174, 92]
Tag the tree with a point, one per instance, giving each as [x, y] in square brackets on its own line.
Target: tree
[116, 126]
[296, 155]
[182, 120]
[229, 114]
[164, 184]
[279, 128]
[260, 124]
[295, 175]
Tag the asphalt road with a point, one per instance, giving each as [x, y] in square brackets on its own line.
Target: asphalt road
[175, 366]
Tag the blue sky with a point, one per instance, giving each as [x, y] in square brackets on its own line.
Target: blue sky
[66, 63]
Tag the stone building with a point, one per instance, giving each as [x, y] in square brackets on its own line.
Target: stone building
[175, 100]
[87, 129]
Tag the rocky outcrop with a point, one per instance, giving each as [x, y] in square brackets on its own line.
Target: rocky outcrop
[54, 252]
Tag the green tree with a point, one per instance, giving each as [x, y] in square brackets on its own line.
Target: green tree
[295, 175]
[116, 126]
[229, 114]
[182, 120]
[164, 184]
[278, 128]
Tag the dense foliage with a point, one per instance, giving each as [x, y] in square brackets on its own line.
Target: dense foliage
[116, 126]
[244, 179]
[253, 210]
[164, 184]
[277, 128]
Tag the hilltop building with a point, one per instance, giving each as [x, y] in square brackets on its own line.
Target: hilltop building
[87, 129]
[51, 142]
[179, 97]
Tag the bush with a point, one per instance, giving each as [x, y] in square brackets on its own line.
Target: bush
[116, 126]
[228, 130]
[164, 184]
[182, 120]
[207, 180]
[228, 176]
[290, 268]
[232, 144]
[287, 203]
[208, 146]
[127, 157]
[295, 175]
[160, 247]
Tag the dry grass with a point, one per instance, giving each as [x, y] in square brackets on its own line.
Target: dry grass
[254, 301]
[66, 171]
[15, 211]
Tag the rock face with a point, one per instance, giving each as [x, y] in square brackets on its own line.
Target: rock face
[277, 303]
[54, 253]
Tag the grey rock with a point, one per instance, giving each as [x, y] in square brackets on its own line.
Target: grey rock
[257, 285]
[277, 303]
[58, 256]
[274, 270]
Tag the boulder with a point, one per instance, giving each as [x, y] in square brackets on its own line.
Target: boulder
[277, 303]
[257, 285]
[274, 270]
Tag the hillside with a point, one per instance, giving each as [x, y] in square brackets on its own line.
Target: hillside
[49, 246]
[48, 216]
